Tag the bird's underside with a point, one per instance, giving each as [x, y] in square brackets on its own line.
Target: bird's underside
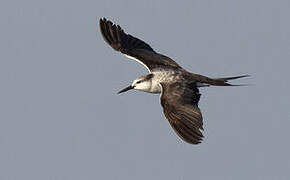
[180, 94]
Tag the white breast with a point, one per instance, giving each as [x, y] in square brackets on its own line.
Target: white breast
[161, 76]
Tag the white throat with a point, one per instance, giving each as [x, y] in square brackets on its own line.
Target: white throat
[153, 85]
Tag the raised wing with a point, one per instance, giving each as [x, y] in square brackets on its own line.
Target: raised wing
[133, 47]
[180, 106]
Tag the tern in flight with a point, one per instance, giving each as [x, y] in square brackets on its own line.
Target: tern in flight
[178, 87]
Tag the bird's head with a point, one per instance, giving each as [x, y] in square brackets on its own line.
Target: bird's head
[142, 83]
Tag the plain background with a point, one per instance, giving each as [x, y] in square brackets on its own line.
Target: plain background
[60, 116]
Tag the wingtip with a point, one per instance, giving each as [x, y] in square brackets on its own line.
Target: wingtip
[100, 20]
[103, 19]
[103, 23]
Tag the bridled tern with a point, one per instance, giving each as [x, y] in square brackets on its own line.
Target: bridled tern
[178, 87]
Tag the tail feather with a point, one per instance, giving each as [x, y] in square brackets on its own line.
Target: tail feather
[223, 81]
[231, 78]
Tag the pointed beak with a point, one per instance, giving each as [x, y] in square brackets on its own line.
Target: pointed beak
[126, 89]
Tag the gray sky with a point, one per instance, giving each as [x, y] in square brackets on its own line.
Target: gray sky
[61, 119]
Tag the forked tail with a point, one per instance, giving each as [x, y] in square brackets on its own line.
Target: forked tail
[224, 81]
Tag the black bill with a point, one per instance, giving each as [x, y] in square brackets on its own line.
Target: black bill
[126, 89]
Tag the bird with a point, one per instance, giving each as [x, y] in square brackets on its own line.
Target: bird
[178, 88]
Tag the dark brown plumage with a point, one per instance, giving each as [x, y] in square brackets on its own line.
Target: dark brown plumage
[180, 106]
[134, 47]
[179, 88]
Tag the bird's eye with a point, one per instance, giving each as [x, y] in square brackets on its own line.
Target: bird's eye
[138, 82]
